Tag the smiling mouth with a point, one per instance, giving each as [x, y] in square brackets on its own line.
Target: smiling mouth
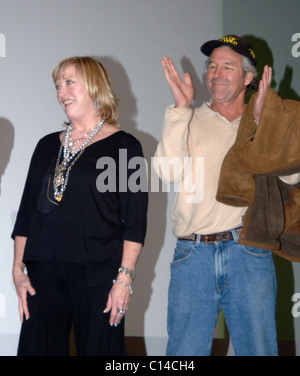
[219, 86]
[67, 102]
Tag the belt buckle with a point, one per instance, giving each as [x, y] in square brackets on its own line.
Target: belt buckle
[206, 241]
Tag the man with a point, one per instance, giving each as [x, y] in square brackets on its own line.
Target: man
[210, 270]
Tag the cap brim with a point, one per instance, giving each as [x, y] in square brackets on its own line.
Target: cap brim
[209, 46]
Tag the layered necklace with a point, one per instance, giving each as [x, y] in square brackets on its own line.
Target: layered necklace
[70, 156]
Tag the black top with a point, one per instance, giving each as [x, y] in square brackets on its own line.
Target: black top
[87, 225]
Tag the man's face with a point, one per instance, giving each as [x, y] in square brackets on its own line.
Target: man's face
[225, 78]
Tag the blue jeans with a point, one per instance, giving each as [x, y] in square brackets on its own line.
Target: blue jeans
[206, 278]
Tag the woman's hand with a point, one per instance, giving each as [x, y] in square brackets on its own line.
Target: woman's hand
[21, 281]
[118, 299]
[264, 86]
[23, 286]
[183, 91]
[119, 295]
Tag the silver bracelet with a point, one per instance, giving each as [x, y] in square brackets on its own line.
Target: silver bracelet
[124, 284]
[129, 273]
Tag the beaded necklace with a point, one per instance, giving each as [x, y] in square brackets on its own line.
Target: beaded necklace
[70, 156]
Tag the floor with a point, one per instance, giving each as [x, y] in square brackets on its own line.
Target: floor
[136, 347]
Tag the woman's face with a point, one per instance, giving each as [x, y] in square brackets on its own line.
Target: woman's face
[73, 96]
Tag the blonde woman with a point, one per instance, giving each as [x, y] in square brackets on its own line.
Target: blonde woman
[77, 239]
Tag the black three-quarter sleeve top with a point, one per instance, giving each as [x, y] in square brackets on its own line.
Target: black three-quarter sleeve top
[97, 212]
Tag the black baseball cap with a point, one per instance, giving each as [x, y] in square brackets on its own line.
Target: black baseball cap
[239, 45]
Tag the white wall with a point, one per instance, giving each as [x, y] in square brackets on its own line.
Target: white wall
[130, 37]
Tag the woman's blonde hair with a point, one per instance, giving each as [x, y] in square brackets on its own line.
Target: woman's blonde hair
[97, 83]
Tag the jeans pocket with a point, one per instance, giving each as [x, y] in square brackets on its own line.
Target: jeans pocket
[182, 252]
[257, 252]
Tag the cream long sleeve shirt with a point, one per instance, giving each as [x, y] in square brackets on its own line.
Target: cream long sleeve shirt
[193, 146]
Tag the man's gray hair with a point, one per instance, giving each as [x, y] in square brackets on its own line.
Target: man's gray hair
[247, 66]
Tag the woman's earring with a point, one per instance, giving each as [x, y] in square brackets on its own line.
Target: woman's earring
[97, 104]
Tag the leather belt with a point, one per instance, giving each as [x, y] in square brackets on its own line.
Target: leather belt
[211, 238]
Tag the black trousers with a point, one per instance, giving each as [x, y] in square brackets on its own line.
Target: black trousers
[70, 294]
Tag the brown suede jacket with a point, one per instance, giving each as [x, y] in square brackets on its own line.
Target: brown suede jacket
[250, 176]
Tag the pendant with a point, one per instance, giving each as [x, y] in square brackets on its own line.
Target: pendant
[59, 179]
[59, 196]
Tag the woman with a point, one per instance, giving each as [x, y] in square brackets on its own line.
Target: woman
[76, 243]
